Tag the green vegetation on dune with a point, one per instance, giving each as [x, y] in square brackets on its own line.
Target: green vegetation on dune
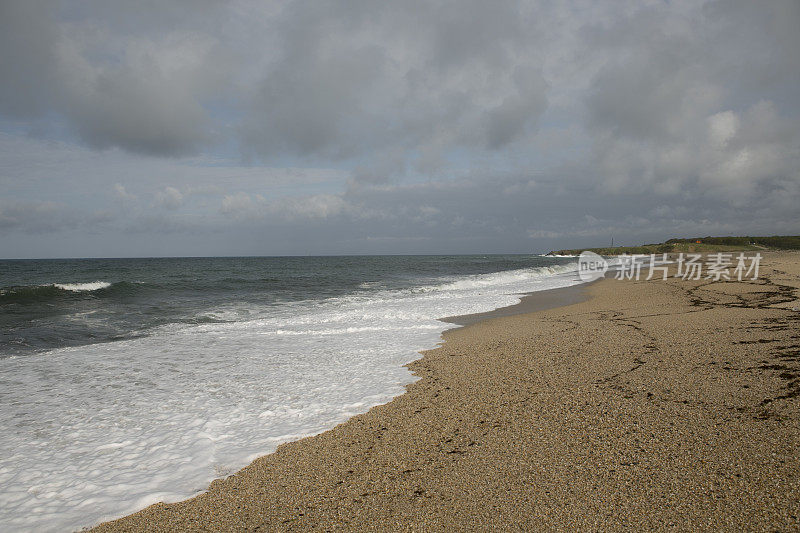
[782, 242]
[697, 245]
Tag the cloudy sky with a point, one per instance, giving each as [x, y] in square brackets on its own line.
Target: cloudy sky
[188, 127]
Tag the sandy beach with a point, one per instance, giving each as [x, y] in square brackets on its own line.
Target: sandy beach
[664, 404]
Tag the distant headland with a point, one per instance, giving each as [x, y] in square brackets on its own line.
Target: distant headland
[698, 245]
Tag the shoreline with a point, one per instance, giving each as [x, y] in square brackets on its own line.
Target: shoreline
[631, 419]
[530, 302]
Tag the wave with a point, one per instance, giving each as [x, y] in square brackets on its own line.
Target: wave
[80, 287]
[352, 329]
[258, 375]
[22, 294]
[507, 277]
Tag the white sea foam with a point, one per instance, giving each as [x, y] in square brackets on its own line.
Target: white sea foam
[99, 431]
[81, 287]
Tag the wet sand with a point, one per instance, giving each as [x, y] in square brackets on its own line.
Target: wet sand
[651, 405]
[529, 303]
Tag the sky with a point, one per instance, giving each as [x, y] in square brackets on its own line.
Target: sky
[206, 128]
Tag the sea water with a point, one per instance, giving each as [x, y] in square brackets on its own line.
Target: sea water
[124, 382]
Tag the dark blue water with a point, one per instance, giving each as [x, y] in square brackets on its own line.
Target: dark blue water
[46, 304]
[129, 381]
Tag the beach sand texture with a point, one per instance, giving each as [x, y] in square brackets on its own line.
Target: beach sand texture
[652, 405]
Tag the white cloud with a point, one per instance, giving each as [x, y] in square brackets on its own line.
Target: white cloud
[320, 206]
[238, 204]
[122, 193]
[721, 128]
[169, 198]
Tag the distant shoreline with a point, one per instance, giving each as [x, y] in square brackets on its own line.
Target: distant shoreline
[695, 245]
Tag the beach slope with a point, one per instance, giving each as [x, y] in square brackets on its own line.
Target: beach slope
[652, 405]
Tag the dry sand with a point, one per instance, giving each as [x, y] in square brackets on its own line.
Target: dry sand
[653, 405]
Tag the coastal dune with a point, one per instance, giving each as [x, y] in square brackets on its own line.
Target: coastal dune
[663, 404]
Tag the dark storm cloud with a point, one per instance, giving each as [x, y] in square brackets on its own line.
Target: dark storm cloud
[353, 77]
[333, 79]
[116, 83]
[470, 125]
[28, 37]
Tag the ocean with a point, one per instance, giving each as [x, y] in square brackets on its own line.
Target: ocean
[124, 382]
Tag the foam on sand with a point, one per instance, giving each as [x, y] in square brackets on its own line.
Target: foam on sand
[99, 431]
